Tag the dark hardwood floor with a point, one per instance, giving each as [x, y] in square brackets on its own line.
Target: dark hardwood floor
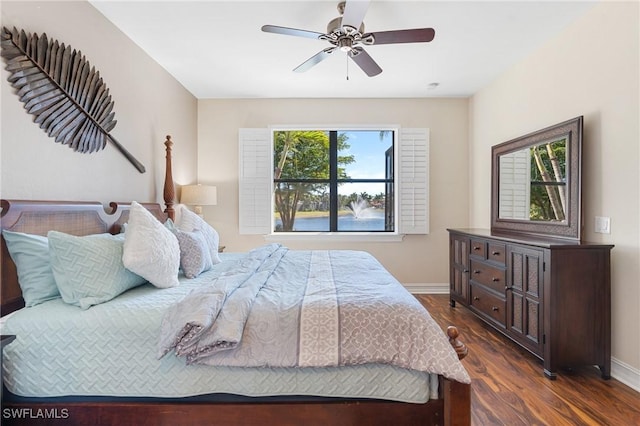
[509, 388]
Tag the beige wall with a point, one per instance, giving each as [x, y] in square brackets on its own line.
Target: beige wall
[591, 69]
[419, 258]
[149, 104]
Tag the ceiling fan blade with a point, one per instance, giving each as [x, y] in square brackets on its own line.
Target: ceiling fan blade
[418, 35]
[354, 11]
[290, 31]
[364, 61]
[315, 59]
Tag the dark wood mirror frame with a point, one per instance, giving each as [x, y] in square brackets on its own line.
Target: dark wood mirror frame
[567, 229]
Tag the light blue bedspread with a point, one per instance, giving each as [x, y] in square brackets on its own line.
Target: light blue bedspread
[112, 349]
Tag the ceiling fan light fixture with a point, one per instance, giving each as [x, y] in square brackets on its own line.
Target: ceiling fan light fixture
[345, 44]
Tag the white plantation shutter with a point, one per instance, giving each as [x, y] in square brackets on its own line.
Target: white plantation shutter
[413, 178]
[255, 181]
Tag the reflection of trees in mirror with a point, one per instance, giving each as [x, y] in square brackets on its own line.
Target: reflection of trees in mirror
[548, 182]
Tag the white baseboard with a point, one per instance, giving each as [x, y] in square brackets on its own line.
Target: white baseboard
[427, 288]
[620, 371]
[626, 374]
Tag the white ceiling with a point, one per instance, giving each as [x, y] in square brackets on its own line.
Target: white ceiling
[217, 50]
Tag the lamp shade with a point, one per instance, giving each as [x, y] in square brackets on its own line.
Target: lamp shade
[199, 195]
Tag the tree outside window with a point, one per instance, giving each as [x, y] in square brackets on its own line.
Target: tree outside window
[333, 180]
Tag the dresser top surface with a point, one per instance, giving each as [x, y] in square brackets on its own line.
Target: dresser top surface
[533, 240]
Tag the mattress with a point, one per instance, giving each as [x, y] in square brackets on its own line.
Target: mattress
[110, 350]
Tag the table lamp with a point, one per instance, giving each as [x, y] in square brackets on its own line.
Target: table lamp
[198, 196]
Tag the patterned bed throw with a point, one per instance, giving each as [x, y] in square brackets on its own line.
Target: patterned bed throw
[282, 308]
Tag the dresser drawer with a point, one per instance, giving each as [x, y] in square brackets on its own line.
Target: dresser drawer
[479, 248]
[491, 276]
[488, 304]
[497, 253]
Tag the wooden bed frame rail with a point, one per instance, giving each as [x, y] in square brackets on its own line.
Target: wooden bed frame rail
[446, 411]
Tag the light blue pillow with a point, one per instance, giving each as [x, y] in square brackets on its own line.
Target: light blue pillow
[89, 270]
[30, 253]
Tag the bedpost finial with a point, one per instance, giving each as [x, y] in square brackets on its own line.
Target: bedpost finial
[452, 332]
[169, 187]
[458, 346]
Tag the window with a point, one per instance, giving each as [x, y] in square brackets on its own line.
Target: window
[396, 188]
[333, 180]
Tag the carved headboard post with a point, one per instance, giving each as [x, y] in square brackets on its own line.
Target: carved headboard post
[169, 188]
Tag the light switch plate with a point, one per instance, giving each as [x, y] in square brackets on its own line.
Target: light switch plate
[603, 225]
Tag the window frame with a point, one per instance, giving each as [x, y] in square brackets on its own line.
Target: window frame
[350, 235]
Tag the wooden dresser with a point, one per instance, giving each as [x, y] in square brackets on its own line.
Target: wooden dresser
[550, 296]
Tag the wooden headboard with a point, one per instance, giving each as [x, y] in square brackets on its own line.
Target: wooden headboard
[40, 217]
[71, 217]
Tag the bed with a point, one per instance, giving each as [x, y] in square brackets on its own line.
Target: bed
[157, 389]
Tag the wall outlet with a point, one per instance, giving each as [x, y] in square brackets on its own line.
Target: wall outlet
[603, 225]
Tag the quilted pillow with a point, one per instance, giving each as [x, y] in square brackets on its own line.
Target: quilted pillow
[150, 249]
[89, 270]
[30, 253]
[189, 221]
[194, 253]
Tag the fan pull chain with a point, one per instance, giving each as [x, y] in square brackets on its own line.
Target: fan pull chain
[347, 56]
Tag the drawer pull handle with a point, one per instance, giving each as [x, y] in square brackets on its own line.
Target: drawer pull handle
[495, 280]
[495, 253]
[477, 271]
[476, 298]
[495, 309]
[508, 288]
[465, 270]
[476, 248]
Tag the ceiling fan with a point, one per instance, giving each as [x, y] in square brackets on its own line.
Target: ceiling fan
[346, 33]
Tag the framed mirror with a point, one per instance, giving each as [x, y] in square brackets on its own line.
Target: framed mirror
[536, 182]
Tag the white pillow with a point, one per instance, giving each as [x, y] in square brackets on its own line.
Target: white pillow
[150, 249]
[188, 221]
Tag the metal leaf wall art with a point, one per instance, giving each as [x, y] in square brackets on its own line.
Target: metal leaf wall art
[64, 93]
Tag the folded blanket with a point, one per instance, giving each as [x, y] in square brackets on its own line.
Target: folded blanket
[190, 327]
[184, 324]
